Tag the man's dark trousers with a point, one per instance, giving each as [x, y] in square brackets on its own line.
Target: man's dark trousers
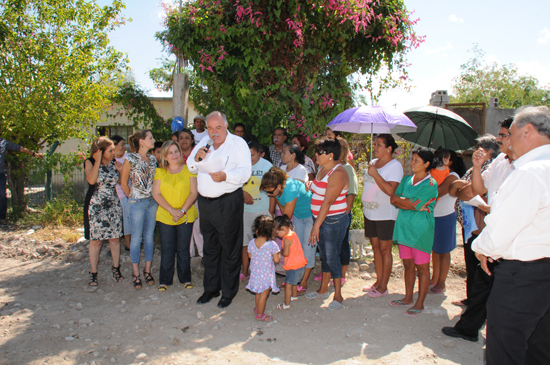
[221, 223]
[518, 314]
[475, 315]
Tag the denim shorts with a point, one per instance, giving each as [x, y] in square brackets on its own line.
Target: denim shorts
[331, 235]
[293, 277]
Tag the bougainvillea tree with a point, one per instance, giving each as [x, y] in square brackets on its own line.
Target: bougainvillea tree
[275, 62]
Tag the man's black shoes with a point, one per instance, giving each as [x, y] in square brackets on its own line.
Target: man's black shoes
[207, 296]
[452, 332]
[224, 302]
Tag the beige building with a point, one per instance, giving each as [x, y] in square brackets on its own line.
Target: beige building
[121, 125]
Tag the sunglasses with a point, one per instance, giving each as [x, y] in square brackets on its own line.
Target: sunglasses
[322, 152]
[270, 192]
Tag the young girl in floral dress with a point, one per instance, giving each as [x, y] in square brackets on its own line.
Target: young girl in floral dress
[264, 253]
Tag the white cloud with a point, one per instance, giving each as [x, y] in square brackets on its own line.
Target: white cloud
[536, 69]
[453, 18]
[439, 50]
[544, 36]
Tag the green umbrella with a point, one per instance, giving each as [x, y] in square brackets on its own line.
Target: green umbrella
[438, 127]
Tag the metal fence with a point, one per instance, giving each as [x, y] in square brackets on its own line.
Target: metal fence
[75, 187]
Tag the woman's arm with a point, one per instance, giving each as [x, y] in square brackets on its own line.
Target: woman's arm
[288, 209]
[401, 202]
[443, 189]
[456, 186]
[175, 213]
[349, 200]
[193, 194]
[272, 204]
[92, 171]
[124, 176]
[387, 187]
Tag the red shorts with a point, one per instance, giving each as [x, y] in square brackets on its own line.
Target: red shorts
[419, 257]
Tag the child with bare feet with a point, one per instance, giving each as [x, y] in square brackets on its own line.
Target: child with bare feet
[263, 253]
[295, 261]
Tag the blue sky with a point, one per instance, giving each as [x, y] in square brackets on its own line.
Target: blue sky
[508, 31]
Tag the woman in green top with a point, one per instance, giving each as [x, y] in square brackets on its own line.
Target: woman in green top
[175, 191]
[414, 227]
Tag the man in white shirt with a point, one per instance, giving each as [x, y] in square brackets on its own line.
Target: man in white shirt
[221, 170]
[488, 183]
[199, 132]
[517, 234]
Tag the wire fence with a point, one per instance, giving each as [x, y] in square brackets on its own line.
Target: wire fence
[75, 187]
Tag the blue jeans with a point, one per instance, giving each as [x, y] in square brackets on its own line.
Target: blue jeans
[345, 251]
[331, 235]
[174, 241]
[293, 277]
[303, 227]
[143, 217]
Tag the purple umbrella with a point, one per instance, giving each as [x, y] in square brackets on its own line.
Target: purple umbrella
[372, 119]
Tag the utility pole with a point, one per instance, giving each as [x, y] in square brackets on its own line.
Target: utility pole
[180, 88]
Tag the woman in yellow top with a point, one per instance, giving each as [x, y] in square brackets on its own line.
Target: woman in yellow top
[175, 191]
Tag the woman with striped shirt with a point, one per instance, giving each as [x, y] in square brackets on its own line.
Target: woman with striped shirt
[328, 205]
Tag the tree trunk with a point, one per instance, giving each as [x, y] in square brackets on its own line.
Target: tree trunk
[16, 183]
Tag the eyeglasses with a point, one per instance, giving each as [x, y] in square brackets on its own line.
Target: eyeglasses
[322, 152]
[502, 135]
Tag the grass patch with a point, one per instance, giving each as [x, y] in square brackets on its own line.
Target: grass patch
[60, 212]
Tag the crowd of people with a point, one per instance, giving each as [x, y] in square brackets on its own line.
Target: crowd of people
[253, 211]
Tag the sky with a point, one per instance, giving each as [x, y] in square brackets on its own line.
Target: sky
[509, 32]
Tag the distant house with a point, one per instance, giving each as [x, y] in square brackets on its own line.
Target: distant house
[120, 125]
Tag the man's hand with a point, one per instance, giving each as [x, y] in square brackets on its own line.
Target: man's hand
[218, 176]
[248, 199]
[479, 157]
[486, 208]
[201, 154]
[483, 262]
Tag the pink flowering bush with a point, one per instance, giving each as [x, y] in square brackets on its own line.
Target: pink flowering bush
[288, 62]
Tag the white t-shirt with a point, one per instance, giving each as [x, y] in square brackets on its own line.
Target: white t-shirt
[252, 187]
[297, 173]
[376, 204]
[446, 204]
[199, 136]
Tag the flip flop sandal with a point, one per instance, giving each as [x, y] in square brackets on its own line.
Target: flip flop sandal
[412, 312]
[396, 303]
[301, 290]
[255, 310]
[369, 288]
[436, 291]
[264, 317]
[188, 286]
[162, 288]
[283, 306]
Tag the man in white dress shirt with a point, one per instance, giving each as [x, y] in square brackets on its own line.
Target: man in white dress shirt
[221, 170]
[488, 182]
[517, 234]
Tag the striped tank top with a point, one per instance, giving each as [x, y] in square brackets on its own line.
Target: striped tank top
[318, 188]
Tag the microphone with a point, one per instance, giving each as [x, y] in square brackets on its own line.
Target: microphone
[208, 144]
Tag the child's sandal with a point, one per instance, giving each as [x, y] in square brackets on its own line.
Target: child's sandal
[283, 306]
[264, 317]
[116, 273]
[136, 282]
[148, 278]
[93, 279]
